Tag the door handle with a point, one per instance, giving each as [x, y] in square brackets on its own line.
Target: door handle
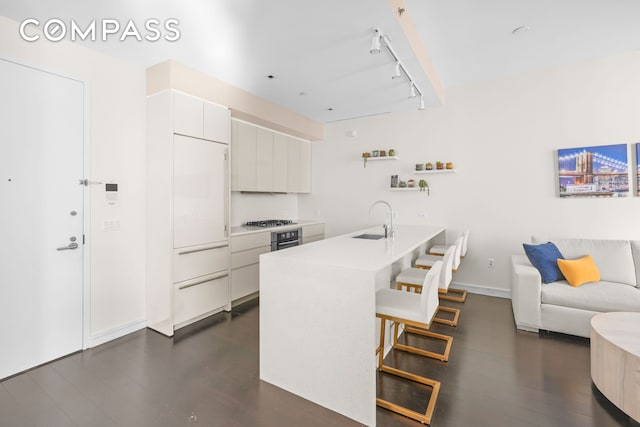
[72, 245]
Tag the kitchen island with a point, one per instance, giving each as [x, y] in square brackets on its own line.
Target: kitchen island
[318, 330]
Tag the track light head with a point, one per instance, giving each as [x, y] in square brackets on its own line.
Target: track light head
[396, 73]
[412, 91]
[421, 106]
[375, 42]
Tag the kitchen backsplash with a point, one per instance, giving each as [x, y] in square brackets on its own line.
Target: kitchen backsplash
[258, 206]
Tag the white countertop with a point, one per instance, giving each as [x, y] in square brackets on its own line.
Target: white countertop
[242, 229]
[362, 254]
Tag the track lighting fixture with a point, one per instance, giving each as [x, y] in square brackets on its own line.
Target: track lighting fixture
[396, 74]
[377, 41]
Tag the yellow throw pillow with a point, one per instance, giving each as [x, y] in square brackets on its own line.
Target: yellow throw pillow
[579, 271]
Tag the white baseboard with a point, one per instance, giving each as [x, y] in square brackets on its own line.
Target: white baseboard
[482, 290]
[112, 334]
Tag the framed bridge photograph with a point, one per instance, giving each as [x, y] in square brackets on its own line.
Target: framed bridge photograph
[601, 171]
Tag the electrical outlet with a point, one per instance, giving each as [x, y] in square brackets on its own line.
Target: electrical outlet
[492, 263]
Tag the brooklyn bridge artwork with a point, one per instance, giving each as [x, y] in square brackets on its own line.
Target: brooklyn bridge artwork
[601, 171]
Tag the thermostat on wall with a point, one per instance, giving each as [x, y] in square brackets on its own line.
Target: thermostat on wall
[111, 194]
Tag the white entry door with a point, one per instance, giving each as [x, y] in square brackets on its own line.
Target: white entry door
[41, 216]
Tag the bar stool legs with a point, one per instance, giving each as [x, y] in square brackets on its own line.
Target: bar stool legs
[412, 287]
[435, 385]
[461, 292]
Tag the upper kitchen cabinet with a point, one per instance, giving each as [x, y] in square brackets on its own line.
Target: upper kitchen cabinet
[268, 161]
[200, 119]
[243, 156]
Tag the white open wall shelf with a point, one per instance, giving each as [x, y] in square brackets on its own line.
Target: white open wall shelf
[434, 171]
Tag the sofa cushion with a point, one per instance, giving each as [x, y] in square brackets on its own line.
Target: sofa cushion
[579, 271]
[635, 251]
[600, 296]
[613, 257]
[544, 258]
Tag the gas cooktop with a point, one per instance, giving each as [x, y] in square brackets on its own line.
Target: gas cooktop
[269, 223]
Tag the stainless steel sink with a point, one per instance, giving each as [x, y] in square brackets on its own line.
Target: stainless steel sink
[369, 236]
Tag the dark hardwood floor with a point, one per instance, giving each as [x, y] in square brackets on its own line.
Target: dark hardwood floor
[208, 375]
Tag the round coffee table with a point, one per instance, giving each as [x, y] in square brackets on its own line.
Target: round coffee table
[615, 359]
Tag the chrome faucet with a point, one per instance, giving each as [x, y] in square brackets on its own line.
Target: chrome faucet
[390, 229]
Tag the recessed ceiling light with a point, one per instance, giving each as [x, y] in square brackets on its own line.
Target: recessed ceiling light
[520, 30]
[330, 109]
[303, 94]
[271, 76]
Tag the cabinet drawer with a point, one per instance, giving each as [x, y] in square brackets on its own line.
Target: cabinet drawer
[310, 239]
[195, 298]
[198, 261]
[250, 256]
[250, 241]
[245, 281]
[312, 230]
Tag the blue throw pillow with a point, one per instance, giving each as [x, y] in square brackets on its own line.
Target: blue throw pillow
[545, 257]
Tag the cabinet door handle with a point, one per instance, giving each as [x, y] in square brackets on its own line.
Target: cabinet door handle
[190, 251]
[220, 276]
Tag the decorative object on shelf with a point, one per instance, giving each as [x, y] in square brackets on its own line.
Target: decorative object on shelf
[449, 165]
[392, 152]
[439, 165]
[394, 181]
[419, 166]
[375, 153]
[403, 184]
[365, 156]
[411, 183]
[428, 166]
[383, 153]
[424, 186]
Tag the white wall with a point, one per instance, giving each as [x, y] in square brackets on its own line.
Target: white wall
[117, 155]
[501, 136]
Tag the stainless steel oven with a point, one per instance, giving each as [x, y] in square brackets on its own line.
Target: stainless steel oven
[286, 239]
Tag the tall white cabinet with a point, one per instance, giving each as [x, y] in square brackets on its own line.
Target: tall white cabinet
[187, 210]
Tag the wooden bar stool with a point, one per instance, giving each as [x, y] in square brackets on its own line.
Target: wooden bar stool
[412, 279]
[415, 311]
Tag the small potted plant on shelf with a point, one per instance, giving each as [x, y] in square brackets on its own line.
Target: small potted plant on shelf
[439, 165]
[424, 185]
[428, 166]
[392, 152]
[411, 183]
[449, 165]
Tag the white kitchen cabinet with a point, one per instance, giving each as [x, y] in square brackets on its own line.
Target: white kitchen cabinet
[187, 118]
[280, 163]
[264, 160]
[268, 161]
[245, 263]
[217, 123]
[187, 212]
[312, 233]
[293, 165]
[198, 118]
[199, 191]
[243, 151]
[305, 167]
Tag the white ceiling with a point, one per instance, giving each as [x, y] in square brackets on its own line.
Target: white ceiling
[321, 48]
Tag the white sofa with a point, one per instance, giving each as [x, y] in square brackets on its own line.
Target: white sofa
[558, 306]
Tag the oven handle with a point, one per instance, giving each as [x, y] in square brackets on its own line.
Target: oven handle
[284, 245]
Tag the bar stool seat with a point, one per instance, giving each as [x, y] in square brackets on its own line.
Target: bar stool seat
[439, 250]
[415, 311]
[426, 261]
